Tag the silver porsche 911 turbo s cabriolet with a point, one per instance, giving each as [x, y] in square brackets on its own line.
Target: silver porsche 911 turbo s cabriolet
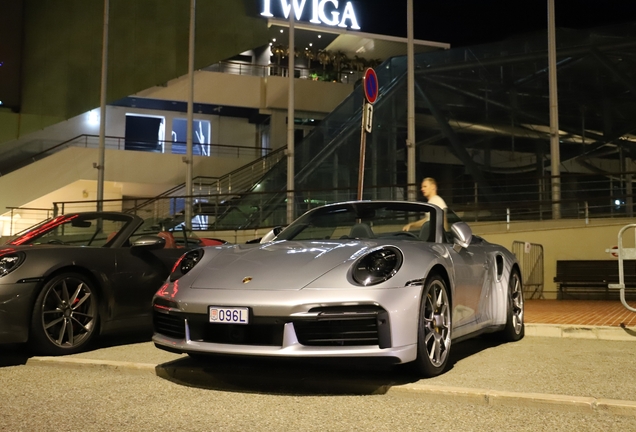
[345, 280]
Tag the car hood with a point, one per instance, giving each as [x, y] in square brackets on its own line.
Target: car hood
[283, 265]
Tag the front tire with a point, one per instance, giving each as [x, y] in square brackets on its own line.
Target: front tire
[434, 330]
[515, 328]
[65, 317]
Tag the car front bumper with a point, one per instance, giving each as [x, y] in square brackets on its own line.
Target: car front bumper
[15, 311]
[305, 323]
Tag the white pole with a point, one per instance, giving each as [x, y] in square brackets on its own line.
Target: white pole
[290, 123]
[555, 155]
[188, 158]
[102, 114]
[410, 140]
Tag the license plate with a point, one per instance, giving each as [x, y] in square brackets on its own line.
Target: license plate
[228, 315]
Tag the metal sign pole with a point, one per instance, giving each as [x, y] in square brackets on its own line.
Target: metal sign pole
[102, 112]
[363, 144]
[189, 160]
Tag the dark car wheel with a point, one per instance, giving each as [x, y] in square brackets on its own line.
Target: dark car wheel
[65, 317]
[434, 332]
[515, 328]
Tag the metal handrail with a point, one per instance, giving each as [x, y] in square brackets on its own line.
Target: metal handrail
[225, 183]
[623, 254]
[523, 203]
[84, 140]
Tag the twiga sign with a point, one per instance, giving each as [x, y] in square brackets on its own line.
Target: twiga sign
[320, 10]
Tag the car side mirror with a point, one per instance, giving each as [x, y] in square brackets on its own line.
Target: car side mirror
[462, 235]
[149, 242]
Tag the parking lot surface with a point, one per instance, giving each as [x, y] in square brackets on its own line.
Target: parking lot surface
[538, 383]
[562, 376]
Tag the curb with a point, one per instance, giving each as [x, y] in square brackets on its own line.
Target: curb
[581, 332]
[433, 392]
[532, 400]
[67, 362]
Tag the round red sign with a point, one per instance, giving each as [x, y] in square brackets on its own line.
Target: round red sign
[371, 88]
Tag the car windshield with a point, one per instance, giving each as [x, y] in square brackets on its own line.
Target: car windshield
[182, 236]
[76, 230]
[363, 220]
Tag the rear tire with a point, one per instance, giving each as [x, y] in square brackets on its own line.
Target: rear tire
[65, 315]
[515, 328]
[434, 329]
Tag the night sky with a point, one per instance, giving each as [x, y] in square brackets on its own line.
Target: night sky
[458, 22]
[471, 22]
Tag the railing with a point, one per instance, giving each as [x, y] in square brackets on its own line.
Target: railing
[530, 258]
[238, 68]
[20, 218]
[237, 181]
[23, 157]
[208, 207]
[584, 198]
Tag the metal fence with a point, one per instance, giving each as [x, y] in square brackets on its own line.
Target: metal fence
[530, 257]
[222, 203]
[40, 149]
[346, 75]
[21, 218]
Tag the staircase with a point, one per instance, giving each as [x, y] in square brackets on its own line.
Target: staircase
[210, 194]
[322, 162]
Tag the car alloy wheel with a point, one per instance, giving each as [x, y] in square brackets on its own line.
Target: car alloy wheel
[514, 329]
[65, 315]
[434, 335]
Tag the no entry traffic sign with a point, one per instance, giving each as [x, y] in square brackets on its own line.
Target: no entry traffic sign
[371, 88]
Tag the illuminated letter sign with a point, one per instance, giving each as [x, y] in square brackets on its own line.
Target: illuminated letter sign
[323, 16]
[322, 12]
[298, 9]
[350, 15]
[267, 9]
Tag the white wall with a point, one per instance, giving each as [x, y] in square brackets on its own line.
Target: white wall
[310, 96]
[224, 130]
[567, 239]
[212, 88]
[133, 173]
[253, 92]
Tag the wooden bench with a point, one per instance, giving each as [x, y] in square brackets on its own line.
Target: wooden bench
[588, 279]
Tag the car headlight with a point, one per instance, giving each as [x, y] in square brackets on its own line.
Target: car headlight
[186, 263]
[377, 266]
[10, 261]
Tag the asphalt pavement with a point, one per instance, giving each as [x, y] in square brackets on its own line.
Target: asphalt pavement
[51, 398]
[573, 372]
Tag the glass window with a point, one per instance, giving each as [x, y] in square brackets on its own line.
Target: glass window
[361, 220]
[200, 137]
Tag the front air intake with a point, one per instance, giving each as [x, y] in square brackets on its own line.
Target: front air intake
[168, 325]
[345, 326]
